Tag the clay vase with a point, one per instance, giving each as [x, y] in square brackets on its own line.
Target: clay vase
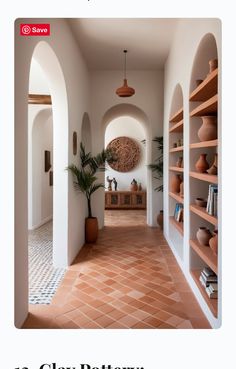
[213, 242]
[179, 162]
[91, 230]
[202, 164]
[134, 186]
[208, 129]
[203, 236]
[213, 169]
[160, 219]
[213, 64]
[181, 189]
[198, 82]
[175, 183]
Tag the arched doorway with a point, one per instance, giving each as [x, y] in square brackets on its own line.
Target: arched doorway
[134, 113]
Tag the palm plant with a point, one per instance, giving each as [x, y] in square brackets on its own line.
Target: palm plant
[84, 175]
[157, 166]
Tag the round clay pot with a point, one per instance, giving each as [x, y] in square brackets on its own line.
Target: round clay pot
[213, 242]
[181, 189]
[213, 64]
[134, 187]
[160, 219]
[202, 164]
[175, 183]
[179, 162]
[198, 82]
[200, 202]
[208, 129]
[213, 169]
[91, 230]
[203, 236]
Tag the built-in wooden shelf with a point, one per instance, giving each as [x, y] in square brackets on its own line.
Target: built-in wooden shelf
[204, 177]
[206, 254]
[198, 145]
[178, 127]
[177, 116]
[39, 99]
[207, 88]
[177, 197]
[212, 303]
[176, 149]
[201, 212]
[178, 225]
[176, 169]
[208, 107]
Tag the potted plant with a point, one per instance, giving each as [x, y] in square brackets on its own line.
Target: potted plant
[85, 182]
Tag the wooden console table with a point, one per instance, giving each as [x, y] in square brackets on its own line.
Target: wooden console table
[125, 199]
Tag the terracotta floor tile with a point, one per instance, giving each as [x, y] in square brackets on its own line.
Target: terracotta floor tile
[128, 279]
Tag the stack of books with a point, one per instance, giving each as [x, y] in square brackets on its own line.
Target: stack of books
[209, 281]
[212, 200]
[179, 212]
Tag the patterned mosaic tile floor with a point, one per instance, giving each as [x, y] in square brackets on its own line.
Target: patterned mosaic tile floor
[128, 279]
[43, 277]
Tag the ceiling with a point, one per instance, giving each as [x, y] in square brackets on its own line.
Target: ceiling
[102, 41]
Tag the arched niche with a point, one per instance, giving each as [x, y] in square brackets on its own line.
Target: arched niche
[177, 100]
[86, 137]
[207, 50]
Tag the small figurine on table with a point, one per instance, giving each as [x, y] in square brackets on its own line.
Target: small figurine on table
[115, 183]
[109, 183]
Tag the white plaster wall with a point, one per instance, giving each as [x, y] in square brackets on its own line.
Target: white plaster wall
[38, 83]
[178, 68]
[40, 193]
[129, 127]
[72, 208]
[149, 98]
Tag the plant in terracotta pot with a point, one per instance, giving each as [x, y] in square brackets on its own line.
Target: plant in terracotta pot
[85, 182]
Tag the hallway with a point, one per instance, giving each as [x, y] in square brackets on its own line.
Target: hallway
[128, 279]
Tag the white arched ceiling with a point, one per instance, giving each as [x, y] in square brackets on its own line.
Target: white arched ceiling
[50, 65]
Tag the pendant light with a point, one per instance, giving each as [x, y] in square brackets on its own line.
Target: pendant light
[125, 90]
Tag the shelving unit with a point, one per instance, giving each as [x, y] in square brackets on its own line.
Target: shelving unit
[206, 94]
[176, 152]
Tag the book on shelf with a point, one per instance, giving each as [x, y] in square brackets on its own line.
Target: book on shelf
[212, 199]
[211, 294]
[179, 212]
[208, 280]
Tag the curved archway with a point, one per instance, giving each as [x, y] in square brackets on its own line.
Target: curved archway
[47, 59]
[130, 110]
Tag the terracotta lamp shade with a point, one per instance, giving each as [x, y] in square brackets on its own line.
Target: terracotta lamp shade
[125, 90]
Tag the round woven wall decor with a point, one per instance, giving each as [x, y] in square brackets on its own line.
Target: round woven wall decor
[127, 152]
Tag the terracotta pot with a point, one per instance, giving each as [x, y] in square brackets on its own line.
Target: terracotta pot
[140, 187]
[213, 64]
[200, 202]
[160, 219]
[175, 183]
[91, 230]
[179, 162]
[213, 169]
[202, 164]
[181, 189]
[198, 82]
[134, 185]
[208, 129]
[203, 236]
[213, 242]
